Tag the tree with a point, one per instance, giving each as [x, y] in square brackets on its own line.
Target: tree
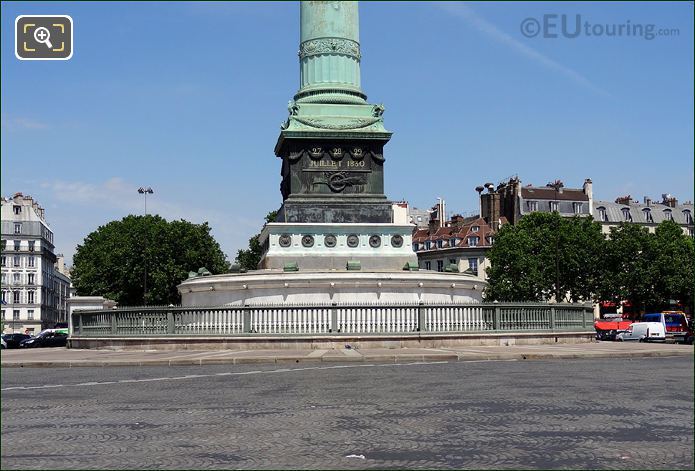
[114, 260]
[649, 270]
[674, 263]
[545, 256]
[250, 258]
[627, 274]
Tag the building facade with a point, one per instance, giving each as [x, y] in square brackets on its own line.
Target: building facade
[34, 293]
[513, 201]
[649, 213]
[459, 244]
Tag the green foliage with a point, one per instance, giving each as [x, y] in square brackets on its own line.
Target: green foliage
[649, 270]
[112, 261]
[250, 258]
[545, 255]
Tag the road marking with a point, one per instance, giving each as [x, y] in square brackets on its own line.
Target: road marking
[242, 373]
[212, 375]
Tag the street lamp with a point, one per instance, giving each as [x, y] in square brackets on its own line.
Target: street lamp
[144, 192]
[557, 184]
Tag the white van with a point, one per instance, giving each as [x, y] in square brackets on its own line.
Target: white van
[643, 332]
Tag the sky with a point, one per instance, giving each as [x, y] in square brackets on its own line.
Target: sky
[187, 98]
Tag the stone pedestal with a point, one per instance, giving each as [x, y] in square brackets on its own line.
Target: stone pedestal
[330, 246]
[272, 287]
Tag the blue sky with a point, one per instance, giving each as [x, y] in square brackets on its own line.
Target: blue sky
[188, 97]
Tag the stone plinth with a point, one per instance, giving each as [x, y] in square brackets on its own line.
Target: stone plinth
[376, 288]
[331, 246]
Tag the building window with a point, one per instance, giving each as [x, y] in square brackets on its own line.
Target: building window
[440, 244]
[475, 228]
[4, 278]
[3, 260]
[452, 261]
[3, 314]
[602, 214]
[648, 215]
[30, 314]
[668, 215]
[577, 207]
[688, 217]
[627, 216]
[30, 281]
[490, 240]
[15, 260]
[440, 265]
[552, 205]
[32, 244]
[428, 245]
[473, 241]
[428, 265]
[15, 297]
[17, 209]
[532, 205]
[15, 315]
[4, 244]
[17, 228]
[15, 278]
[16, 245]
[30, 298]
[4, 297]
[453, 242]
[473, 265]
[30, 261]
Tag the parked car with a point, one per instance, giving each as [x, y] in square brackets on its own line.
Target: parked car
[643, 332]
[46, 338]
[610, 326]
[13, 340]
[675, 323]
[3, 345]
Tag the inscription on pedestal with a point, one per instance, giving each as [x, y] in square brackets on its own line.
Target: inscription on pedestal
[343, 167]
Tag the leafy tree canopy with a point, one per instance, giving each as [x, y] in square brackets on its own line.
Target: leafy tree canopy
[545, 256]
[114, 260]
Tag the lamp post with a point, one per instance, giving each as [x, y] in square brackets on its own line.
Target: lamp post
[557, 184]
[145, 191]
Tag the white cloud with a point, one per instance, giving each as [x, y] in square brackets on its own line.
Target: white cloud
[115, 196]
[19, 122]
[488, 29]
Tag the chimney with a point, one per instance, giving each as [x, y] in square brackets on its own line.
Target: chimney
[588, 189]
[624, 200]
[647, 201]
[669, 200]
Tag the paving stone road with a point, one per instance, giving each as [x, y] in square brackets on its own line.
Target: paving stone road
[597, 413]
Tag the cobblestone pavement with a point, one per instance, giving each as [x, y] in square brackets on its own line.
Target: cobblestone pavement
[64, 357]
[597, 413]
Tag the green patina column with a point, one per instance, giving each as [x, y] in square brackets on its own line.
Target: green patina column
[329, 53]
[331, 144]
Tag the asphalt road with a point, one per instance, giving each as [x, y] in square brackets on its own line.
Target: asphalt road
[598, 413]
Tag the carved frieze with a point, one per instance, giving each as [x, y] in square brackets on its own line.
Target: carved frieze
[342, 46]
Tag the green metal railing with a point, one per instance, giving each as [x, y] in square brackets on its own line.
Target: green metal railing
[329, 319]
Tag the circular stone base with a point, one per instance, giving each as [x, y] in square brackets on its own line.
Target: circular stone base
[319, 287]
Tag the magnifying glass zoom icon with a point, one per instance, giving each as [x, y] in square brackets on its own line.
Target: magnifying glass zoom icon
[43, 36]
